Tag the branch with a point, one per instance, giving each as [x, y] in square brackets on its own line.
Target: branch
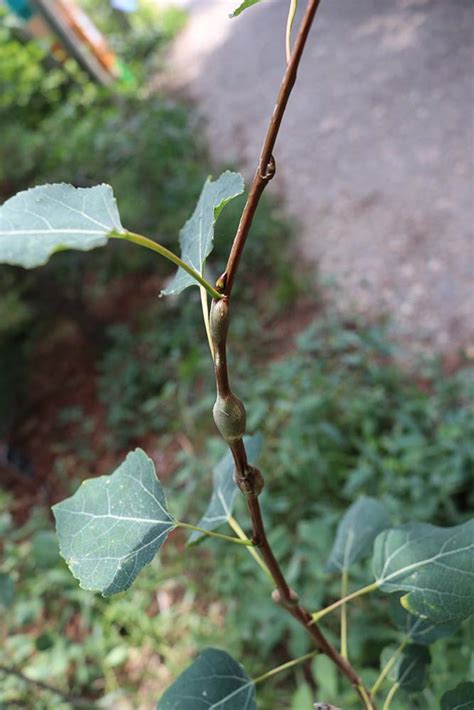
[266, 165]
[248, 478]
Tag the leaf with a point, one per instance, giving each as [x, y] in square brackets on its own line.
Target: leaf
[460, 698]
[114, 525]
[197, 236]
[302, 698]
[213, 681]
[246, 4]
[434, 565]
[7, 590]
[325, 674]
[224, 489]
[356, 532]
[410, 667]
[418, 630]
[36, 223]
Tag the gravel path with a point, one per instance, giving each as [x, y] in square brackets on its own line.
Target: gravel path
[375, 156]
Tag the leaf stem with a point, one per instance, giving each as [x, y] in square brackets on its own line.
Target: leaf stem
[340, 602]
[289, 25]
[344, 590]
[388, 666]
[210, 533]
[163, 251]
[238, 530]
[284, 667]
[390, 696]
[205, 317]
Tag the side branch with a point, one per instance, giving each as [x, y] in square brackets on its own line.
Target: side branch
[266, 164]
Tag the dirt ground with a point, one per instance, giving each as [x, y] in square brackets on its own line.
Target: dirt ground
[375, 157]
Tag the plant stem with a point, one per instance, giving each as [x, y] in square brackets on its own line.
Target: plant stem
[249, 479]
[210, 533]
[390, 696]
[284, 667]
[340, 602]
[238, 530]
[344, 590]
[205, 316]
[388, 666]
[71, 699]
[163, 251]
[289, 25]
[266, 164]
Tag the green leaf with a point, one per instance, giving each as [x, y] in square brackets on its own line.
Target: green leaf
[356, 533]
[7, 590]
[246, 4]
[434, 565]
[213, 681]
[418, 630]
[302, 698]
[460, 698]
[36, 223]
[44, 549]
[410, 667]
[224, 489]
[325, 674]
[197, 236]
[114, 525]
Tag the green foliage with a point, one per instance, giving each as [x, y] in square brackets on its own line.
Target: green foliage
[40, 222]
[243, 6]
[224, 489]
[460, 698]
[410, 667]
[213, 681]
[356, 533]
[434, 565]
[197, 236]
[114, 525]
[418, 630]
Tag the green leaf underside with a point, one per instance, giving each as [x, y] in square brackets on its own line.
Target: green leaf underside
[244, 6]
[434, 565]
[410, 667]
[460, 698]
[224, 489]
[39, 222]
[417, 629]
[356, 532]
[197, 236]
[114, 525]
[213, 682]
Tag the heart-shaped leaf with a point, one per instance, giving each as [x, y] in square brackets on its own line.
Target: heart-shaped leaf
[410, 667]
[36, 223]
[224, 489]
[417, 629]
[213, 682]
[197, 236]
[460, 698]
[434, 565]
[114, 525]
[356, 532]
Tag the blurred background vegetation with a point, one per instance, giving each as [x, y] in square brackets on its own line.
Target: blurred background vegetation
[92, 363]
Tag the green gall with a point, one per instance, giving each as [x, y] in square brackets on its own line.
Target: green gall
[229, 417]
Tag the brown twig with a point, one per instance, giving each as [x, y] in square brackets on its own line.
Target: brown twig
[266, 167]
[249, 479]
